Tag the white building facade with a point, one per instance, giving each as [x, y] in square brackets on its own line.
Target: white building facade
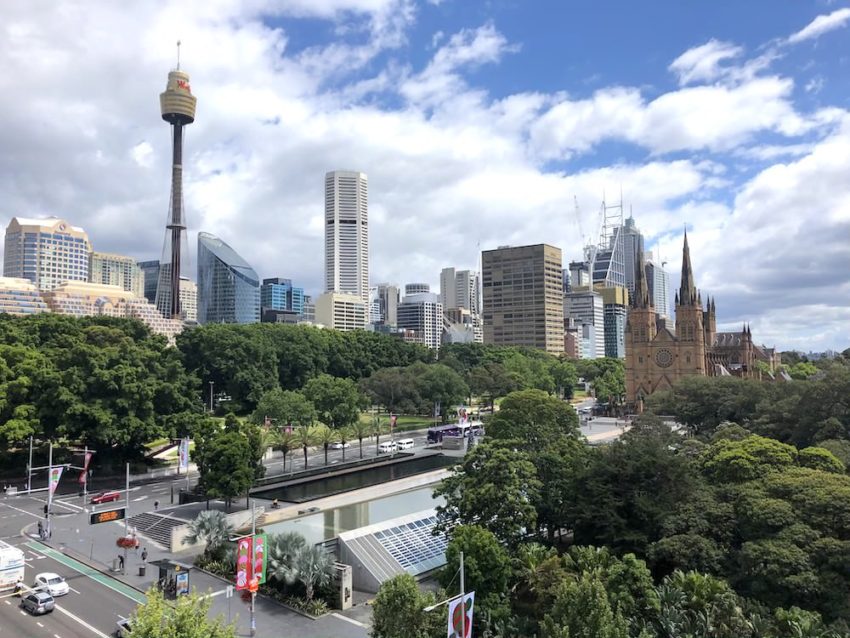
[48, 252]
[423, 313]
[347, 233]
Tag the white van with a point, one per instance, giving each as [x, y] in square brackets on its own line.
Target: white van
[387, 447]
[404, 444]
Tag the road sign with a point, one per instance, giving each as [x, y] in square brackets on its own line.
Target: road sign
[107, 516]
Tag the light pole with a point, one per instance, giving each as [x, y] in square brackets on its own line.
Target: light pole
[212, 383]
[462, 602]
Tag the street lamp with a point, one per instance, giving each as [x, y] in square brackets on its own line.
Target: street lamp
[212, 383]
[462, 597]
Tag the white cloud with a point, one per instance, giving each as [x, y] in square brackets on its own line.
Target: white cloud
[820, 25]
[702, 63]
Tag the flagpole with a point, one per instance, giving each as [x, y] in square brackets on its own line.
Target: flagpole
[85, 477]
[462, 601]
[253, 565]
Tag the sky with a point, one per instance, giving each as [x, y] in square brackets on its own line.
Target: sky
[478, 123]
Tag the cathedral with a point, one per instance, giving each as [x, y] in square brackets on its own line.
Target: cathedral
[656, 358]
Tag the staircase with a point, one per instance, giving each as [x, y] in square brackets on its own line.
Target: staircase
[155, 527]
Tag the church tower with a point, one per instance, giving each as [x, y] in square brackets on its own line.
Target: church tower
[690, 324]
[640, 333]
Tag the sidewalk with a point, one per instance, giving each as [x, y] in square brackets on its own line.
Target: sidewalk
[94, 546]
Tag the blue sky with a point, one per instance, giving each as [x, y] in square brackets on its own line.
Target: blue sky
[476, 122]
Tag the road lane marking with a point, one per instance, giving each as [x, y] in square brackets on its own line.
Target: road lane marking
[347, 619]
[80, 621]
[73, 590]
[20, 510]
[114, 585]
[39, 624]
[141, 498]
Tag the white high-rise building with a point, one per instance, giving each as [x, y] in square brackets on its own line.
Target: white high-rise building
[586, 308]
[48, 252]
[658, 280]
[347, 233]
[460, 294]
[116, 270]
[422, 312]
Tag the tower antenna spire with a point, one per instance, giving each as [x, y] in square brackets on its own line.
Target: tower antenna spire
[178, 55]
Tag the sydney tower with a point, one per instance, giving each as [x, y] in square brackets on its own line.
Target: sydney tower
[178, 109]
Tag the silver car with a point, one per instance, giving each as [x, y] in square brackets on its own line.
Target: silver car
[38, 603]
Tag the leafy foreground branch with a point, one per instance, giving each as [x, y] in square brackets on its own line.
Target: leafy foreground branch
[186, 618]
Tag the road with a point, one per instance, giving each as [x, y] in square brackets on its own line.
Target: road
[90, 609]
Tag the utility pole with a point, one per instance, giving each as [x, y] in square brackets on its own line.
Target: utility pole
[462, 601]
[212, 384]
[29, 470]
[253, 564]
[49, 487]
[85, 477]
[126, 516]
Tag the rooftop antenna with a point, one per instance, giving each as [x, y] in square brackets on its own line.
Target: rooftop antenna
[178, 55]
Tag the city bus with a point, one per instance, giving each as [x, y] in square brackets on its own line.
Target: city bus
[11, 566]
[436, 433]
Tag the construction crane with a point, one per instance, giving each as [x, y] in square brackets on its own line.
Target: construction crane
[590, 249]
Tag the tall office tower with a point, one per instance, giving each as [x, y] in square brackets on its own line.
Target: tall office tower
[565, 280]
[422, 312]
[586, 309]
[116, 270]
[632, 244]
[341, 311]
[188, 300]
[279, 294]
[658, 281]
[416, 288]
[386, 305]
[177, 105]
[579, 274]
[309, 310]
[228, 288]
[523, 297]
[48, 252]
[609, 267]
[150, 273]
[347, 233]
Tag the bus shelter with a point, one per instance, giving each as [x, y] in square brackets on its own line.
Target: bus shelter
[173, 577]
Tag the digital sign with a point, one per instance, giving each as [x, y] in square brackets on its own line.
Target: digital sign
[107, 515]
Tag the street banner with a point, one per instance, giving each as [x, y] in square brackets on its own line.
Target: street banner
[260, 558]
[84, 474]
[243, 563]
[184, 454]
[456, 613]
[393, 420]
[55, 475]
[436, 409]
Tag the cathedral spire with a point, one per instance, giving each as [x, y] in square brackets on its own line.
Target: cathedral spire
[641, 299]
[687, 289]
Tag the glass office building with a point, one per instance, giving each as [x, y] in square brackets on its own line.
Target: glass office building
[280, 294]
[228, 288]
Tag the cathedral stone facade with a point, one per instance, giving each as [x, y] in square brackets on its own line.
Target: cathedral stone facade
[656, 358]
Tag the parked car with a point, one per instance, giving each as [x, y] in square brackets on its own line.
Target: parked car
[105, 497]
[387, 447]
[37, 603]
[52, 583]
[340, 445]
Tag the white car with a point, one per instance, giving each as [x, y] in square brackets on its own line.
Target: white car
[52, 583]
[339, 445]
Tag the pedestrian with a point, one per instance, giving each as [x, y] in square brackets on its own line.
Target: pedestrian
[155, 505]
[120, 563]
[41, 530]
[144, 554]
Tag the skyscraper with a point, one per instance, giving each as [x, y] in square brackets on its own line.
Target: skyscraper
[150, 273]
[632, 244]
[347, 233]
[228, 288]
[279, 294]
[386, 304]
[341, 311]
[523, 297]
[658, 281]
[116, 270]
[460, 293]
[178, 109]
[48, 252]
[422, 312]
[586, 310]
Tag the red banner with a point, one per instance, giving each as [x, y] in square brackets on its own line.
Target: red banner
[84, 473]
[259, 561]
[243, 563]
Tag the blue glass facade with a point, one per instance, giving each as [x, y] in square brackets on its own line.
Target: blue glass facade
[228, 288]
[280, 294]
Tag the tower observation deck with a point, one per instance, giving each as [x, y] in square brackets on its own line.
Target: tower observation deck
[178, 109]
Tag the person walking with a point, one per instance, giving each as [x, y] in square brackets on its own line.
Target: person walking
[120, 563]
[155, 505]
[144, 554]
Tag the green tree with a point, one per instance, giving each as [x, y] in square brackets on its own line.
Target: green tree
[314, 567]
[229, 471]
[284, 408]
[487, 570]
[727, 460]
[361, 430]
[324, 436]
[582, 610]
[305, 436]
[187, 617]
[535, 419]
[491, 380]
[495, 488]
[818, 458]
[282, 550]
[399, 611]
[212, 528]
[439, 384]
[337, 401]
[392, 388]
[565, 377]
[285, 440]
[259, 440]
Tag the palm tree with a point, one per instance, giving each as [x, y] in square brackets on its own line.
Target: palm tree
[282, 551]
[210, 527]
[286, 441]
[314, 566]
[377, 429]
[324, 436]
[343, 435]
[361, 430]
[304, 436]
